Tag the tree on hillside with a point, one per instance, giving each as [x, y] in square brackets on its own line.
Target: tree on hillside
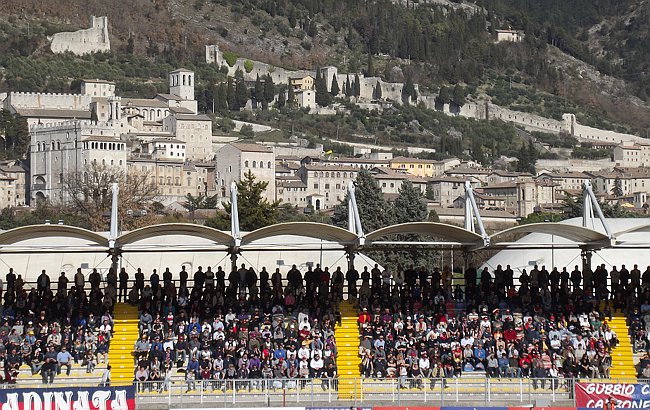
[374, 211]
[357, 86]
[443, 96]
[371, 66]
[458, 96]
[408, 91]
[255, 211]
[334, 89]
[347, 90]
[241, 91]
[130, 45]
[258, 91]
[323, 97]
[291, 97]
[230, 94]
[526, 158]
[477, 150]
[221, 98]
[269, 91]
[89, 193]
[376, 93]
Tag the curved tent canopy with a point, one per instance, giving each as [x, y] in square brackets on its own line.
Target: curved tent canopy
[636, 229]
[198, 231]
[314, 230]
[435, 229]
[573, 233]
[24, 233]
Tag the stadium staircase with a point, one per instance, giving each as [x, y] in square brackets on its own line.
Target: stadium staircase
[347, 344]
[125, 334]
[622, 356]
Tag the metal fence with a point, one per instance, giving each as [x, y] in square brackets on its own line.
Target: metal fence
[401, 391]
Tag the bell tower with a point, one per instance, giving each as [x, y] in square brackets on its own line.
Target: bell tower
[181, 83]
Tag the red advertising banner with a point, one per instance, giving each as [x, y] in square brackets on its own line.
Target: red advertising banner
[625, 395]
[73, 398]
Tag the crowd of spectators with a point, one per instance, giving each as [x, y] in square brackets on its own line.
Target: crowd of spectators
[253, 329]
[50, 330]
[414, 326]
[246, 326]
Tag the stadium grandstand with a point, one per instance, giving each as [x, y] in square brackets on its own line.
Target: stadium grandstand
[229, 332]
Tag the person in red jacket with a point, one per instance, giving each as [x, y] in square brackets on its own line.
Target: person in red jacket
[364, 317]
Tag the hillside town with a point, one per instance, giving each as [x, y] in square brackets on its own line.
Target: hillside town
[169, 142]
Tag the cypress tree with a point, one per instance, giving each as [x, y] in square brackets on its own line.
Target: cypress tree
[323, 97]
[357, 86]
[230, 94]
[241, 92]
[269, 91]
[377, 92]
[334, 90]
[258, 93]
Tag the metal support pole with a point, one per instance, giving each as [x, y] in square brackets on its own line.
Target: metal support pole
[586, 259]
[115, 261]
[351, 256]
[233, 261]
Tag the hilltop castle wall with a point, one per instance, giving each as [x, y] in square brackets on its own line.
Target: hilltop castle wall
[393, 92]
[91, 40]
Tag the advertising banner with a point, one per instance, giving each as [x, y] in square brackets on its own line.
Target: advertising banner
[626, 396]
[77, 398]
[405, 408]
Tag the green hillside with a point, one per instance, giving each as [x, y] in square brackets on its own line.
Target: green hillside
[589, 57]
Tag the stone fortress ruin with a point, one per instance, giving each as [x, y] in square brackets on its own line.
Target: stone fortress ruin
[91, 40]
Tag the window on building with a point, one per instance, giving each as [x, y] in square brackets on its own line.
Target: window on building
[315, 186]
[254, 164]
[268, 165]
[327, 186]
[246, 164]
